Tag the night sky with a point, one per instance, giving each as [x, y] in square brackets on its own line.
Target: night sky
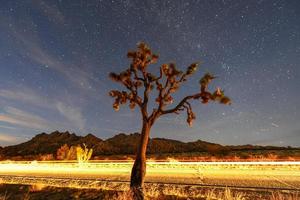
[55, 57]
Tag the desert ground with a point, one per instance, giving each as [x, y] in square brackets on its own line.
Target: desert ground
[164, 180]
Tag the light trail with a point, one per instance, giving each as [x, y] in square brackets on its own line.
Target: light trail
[158, 162]
[237, 174]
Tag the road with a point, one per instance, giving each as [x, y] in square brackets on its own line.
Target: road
[99, 174]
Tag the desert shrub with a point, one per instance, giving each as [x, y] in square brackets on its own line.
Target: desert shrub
[62, 152]
[272, 156]
[66, 153]
[244, 155]
[72, 153]
[83, 154]
[46, 157]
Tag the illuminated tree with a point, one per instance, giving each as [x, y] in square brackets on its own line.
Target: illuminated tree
[139, 83]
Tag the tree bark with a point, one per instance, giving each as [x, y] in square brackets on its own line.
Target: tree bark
[139, 167]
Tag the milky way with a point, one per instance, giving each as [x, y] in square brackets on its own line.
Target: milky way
[55, 57]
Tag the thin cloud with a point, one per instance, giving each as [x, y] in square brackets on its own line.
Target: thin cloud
[292, 135]
[18, 117]
[22, 118]
[115, 131]
[29, 45]
[50, 11]
[74, 115]
[7, 127]
[275, 125]
[31, 48]
[7, 138]
[25, 95]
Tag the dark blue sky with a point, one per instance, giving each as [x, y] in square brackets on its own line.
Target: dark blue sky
[55, 57]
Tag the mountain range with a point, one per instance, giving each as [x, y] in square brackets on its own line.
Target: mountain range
[121, 144]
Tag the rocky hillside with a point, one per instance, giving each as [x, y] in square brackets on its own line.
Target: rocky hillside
[120, 144]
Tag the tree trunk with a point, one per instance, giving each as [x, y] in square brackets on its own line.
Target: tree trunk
[139, 167]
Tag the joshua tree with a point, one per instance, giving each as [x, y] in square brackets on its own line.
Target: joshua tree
[139, 83]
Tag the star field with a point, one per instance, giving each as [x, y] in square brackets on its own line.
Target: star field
[55, 57]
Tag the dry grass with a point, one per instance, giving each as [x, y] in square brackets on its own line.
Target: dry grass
[156, 192]
[27, 196]
[228, 195]
[209, 194]
[280, 196]
[4, 196]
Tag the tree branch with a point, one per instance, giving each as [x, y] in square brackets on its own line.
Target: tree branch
[181, 103]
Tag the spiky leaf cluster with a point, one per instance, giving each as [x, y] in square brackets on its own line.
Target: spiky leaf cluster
[207, 96]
